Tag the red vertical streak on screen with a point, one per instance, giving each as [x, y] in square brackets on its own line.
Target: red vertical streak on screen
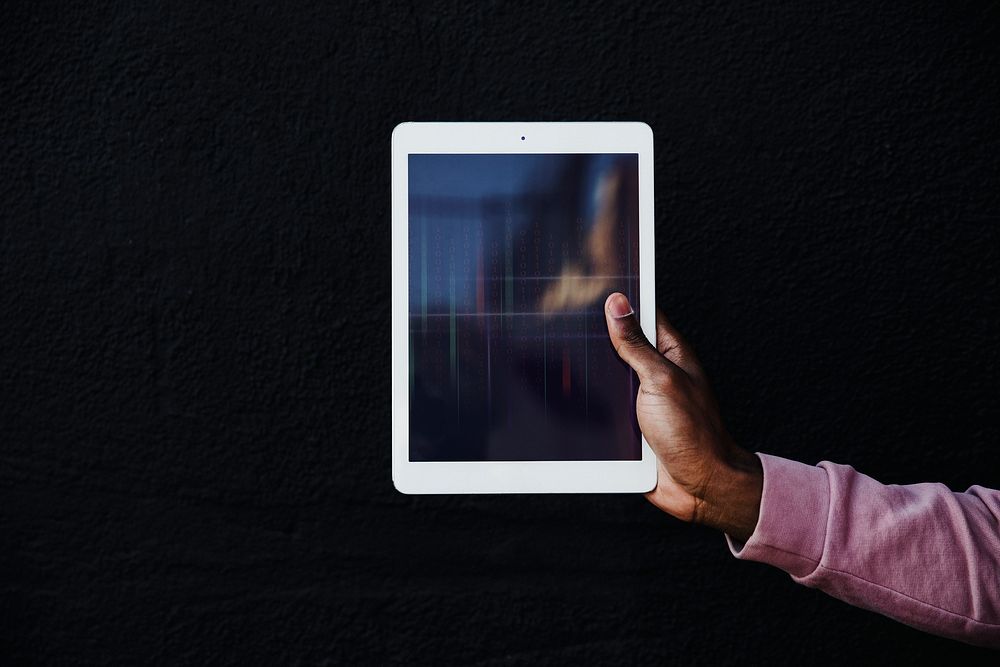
[565, 373]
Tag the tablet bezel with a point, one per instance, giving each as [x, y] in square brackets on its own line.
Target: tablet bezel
[413, 477]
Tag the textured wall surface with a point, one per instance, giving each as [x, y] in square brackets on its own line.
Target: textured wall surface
[194, 320]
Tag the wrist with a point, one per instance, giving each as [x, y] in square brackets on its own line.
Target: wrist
[731, 500]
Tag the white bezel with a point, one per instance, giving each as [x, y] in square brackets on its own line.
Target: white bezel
[512, 476]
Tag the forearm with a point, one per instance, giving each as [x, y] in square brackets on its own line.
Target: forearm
[920, 554]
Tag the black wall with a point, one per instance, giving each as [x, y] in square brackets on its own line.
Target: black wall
[194, 320]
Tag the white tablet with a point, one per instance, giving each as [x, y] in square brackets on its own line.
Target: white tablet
[506, 240]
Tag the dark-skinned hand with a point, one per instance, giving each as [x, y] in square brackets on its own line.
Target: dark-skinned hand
[702, 475]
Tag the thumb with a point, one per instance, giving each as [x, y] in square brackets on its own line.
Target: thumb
[628, 339]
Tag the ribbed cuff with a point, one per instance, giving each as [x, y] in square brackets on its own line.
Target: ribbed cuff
[794, 508]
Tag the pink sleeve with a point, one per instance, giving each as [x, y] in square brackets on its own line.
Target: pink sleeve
[920, 554]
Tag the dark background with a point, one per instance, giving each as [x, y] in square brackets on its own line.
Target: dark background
[194, 297]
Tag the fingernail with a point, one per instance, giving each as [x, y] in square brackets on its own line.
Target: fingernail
[618, 306]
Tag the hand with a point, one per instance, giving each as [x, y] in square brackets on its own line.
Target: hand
[702, 475]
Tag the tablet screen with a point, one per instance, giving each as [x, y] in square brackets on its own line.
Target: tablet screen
[511, 257]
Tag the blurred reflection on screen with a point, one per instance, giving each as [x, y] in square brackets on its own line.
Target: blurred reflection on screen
[510, 260]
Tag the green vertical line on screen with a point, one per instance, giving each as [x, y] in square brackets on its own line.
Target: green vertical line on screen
[458, 380]
[423, 275]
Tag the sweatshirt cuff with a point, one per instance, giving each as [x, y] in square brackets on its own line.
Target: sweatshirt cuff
[794, 508]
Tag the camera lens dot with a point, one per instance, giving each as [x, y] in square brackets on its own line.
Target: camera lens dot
[522, 138]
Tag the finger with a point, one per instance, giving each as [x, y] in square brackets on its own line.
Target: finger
[630, 342]
[672, 345]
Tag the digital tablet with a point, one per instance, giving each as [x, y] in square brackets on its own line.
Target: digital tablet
[507, 238]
